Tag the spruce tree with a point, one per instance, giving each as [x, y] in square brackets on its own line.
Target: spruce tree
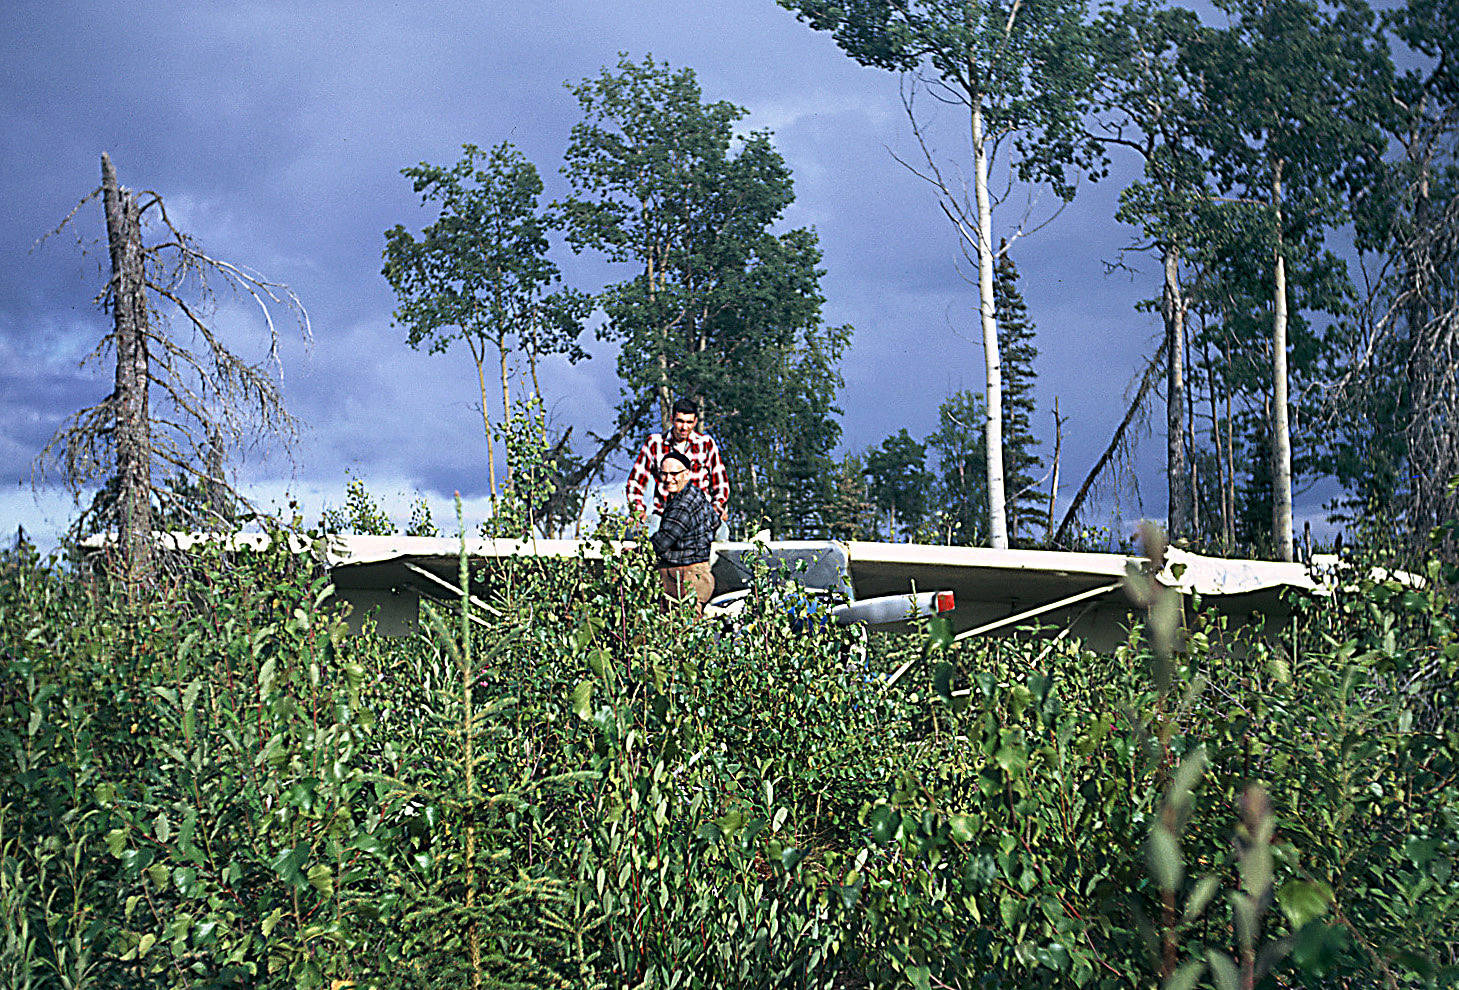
[1021, 461]
[849, 513]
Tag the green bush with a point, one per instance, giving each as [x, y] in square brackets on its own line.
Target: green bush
[574, 787]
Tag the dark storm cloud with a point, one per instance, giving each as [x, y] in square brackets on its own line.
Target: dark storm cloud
[276, 132]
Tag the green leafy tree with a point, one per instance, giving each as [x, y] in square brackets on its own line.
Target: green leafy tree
[898, 483]
[1152, 101]
[479, 274]
[1299, 83]
[1023, 72]
[1021, 461]
[778, 431]
[361, 514]
[719, 306]
[960, 492]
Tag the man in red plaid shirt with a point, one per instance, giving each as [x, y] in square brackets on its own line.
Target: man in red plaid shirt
[706, 468]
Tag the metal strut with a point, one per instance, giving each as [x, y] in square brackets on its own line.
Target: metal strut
[1010, 620]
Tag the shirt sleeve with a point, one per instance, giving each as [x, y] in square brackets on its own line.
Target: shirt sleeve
[640, 475]
[718, 477]
[671, 529]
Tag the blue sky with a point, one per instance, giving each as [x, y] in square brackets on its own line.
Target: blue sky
[276, 132]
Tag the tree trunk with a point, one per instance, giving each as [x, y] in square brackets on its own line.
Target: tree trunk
[1281, 430]
[479, 357]
[132, 437]
[665, 399]
[1230, 466]
[1054, 481]
[1215, 430]
[506, 408]
[993, 439]
[1148, 379]
[1178, 515]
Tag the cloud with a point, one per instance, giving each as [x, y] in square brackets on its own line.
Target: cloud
[276, 132]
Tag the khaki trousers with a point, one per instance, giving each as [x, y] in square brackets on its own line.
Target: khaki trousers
[691, 579]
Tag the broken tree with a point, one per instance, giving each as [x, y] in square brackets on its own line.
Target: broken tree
[181, 399]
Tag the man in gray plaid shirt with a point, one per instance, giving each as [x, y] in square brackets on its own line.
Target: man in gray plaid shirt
[683, 537]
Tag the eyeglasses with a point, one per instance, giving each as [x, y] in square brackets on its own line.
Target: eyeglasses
[673, 474]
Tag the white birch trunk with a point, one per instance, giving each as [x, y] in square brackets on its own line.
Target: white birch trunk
[1177, 518]
[1281, 430]
[997, 509]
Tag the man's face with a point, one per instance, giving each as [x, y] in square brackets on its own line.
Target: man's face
[684, 424]
[673, 476]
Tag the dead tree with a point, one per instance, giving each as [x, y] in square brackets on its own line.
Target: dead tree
[182, 399]
[1116, 444]
[131, 424]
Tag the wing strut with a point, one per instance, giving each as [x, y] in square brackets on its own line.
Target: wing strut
[451, 588]
[1050, 607]
[1010, 620]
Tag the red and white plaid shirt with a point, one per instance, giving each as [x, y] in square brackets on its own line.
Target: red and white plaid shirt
[706, 469]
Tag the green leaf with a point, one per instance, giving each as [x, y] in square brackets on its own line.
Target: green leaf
[1186, 776]
[1205, 889]
[942, 680]
[1008, 910]
[145, 945]
[1304, 900]
[582, 700]
[1012, 758]
[1223, 970]
[962, 827]
[1163, 854]
[1185, 978]
[185, 877]
[939, 631]
[884, 822]
[321, 879]
[271, 920]
[790, 858]
[116, 841]
[1318, 947]
[287, 863]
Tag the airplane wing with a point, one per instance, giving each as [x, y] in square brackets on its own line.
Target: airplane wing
[993, 591]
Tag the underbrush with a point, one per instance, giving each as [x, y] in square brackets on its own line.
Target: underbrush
[570, 787]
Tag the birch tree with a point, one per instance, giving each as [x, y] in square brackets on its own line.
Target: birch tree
[1021, 71]
[1151, 102]
[1298, 81]
[479, 273]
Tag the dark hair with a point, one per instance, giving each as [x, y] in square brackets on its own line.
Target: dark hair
[686, 406]
[673, 455]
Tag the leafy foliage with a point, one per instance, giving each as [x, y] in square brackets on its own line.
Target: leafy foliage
[572, 786]
[899, 484]
[718, 305]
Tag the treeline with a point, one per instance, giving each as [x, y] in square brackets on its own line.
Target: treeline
[1295, 188]
[1295, 167]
